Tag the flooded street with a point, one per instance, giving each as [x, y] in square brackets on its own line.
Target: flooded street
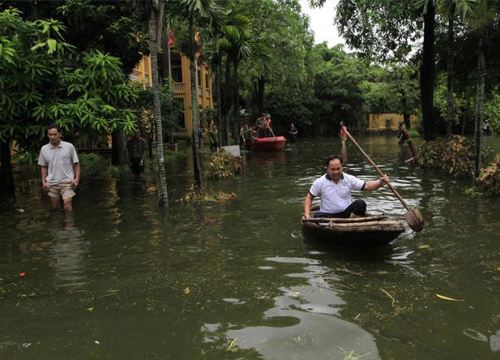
[122, 280]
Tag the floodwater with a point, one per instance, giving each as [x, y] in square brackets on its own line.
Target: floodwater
[122, 280]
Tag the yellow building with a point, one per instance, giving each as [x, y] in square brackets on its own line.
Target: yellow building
[389, 121]
[181, 86]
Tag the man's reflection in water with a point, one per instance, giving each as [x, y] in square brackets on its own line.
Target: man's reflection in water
[69, 252]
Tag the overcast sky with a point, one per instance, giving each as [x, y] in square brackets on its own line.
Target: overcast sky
[322, 22]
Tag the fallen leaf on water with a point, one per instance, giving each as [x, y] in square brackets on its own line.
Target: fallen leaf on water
[90, 309]
[232, 345]
[448, 298]
[187, 291]
[424, 247]
[97, 342]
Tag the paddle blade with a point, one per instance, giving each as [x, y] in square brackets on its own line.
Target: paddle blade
[415, 220]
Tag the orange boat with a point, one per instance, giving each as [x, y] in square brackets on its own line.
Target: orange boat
[271, 143]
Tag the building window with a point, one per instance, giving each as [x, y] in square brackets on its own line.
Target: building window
[175, 61]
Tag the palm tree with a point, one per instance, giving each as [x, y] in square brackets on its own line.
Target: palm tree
[197, 12]
[155, 28]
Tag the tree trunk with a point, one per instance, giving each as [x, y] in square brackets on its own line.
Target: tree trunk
[450, 111]
[119, 155]
[406, 120]
[195, 136]
[155, 21]
[259, 94]
[481, 75]
[427, 73]
[236, 113]
[220, 127]
[467, 116]
[229, 101]
[6, 176]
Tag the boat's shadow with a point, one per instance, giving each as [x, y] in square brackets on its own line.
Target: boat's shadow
[348, 252]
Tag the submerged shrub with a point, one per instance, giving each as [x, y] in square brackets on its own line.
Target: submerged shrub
[195, 195]
[489, 179]
[222, 165]
[455, 156]
[92, 165]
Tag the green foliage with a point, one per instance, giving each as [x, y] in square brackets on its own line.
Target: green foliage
[95, 166]
[492, 111]
[92, 165]
[489, 179]
[45, 80]
[221, 165]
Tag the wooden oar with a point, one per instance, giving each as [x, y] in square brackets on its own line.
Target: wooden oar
[413, 217]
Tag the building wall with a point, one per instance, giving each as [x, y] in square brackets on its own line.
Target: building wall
[142, 72]
[181, 90]
[389, 121]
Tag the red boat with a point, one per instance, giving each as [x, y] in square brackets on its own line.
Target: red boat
[271, 143]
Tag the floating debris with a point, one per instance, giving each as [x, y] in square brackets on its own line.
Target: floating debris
[443, 297]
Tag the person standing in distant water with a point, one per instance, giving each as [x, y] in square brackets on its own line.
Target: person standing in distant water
[59, 169]
[137, 153]
[292, 131]
[486, 128]
[213, 136]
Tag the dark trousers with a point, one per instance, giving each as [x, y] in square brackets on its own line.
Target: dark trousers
[135, 165]
[357, 207]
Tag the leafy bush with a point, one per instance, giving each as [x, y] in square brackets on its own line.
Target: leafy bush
[489, 179]
[492, 112]
[222, 165]
[93, 165]
[455, 156]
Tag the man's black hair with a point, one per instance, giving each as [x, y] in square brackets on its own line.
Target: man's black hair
[54, 126]
[333, 157]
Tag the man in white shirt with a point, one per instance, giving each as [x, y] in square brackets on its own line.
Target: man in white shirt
[59, 169]
[335, 189]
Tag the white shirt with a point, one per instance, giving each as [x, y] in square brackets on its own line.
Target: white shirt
[335, 197]
[59, 160]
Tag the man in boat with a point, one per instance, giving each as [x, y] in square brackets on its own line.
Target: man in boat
[335, 190]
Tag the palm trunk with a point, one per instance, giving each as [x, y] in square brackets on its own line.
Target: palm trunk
[450, 111]
[219, 100]
[427, 73]
[481, 75]
[195, 136]
[236, 114]
[467, 116]
[155, 21]
[229, 101]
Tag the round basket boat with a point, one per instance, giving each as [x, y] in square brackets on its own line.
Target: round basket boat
[369, 231]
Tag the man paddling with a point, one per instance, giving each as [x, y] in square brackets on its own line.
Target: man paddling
[335, 189]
